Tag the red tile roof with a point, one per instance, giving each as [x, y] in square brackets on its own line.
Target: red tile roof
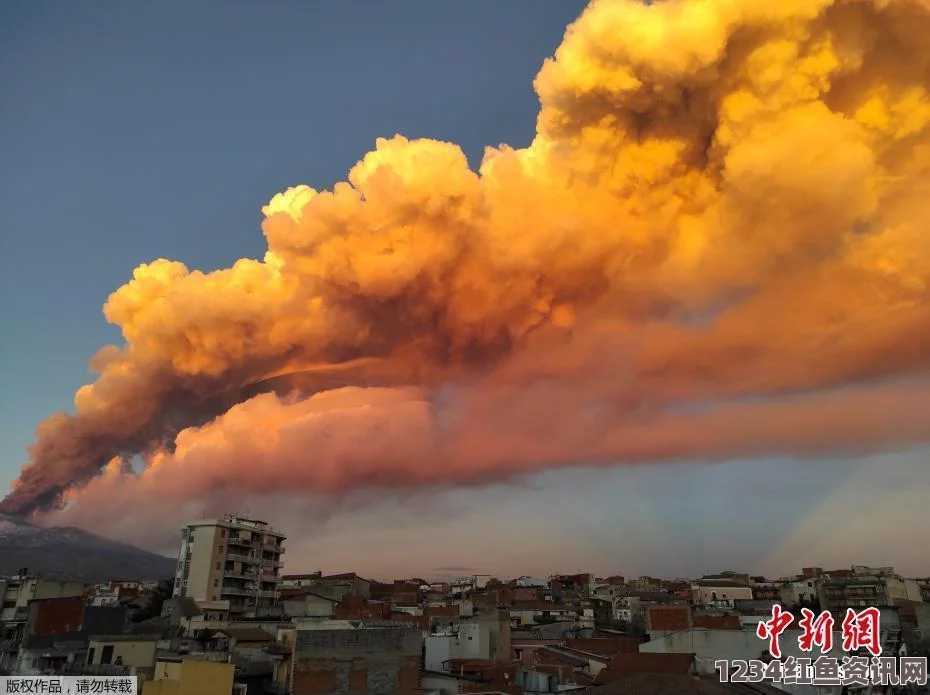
[671, 618]
[644, 662]
[556, 656]
[605, 646]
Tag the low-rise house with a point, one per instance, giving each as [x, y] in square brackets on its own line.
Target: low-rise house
[348, 583]
[359, 608]
[764, 590]
[566, 587]
[377, 657]
[111, 654]
[17, 591]
[291, 581]
[709, 646]
[804, 591]
[464, 641]
[58, 632]
[244, 640]
[104, 595]
[522, 594]
[531, 581]
[719, 593]
[305, 603]
[645, 584]
[539, 612]
[609, 591]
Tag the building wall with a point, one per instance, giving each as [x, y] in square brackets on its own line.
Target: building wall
[45, 588]
[191, 677]
[167, 670]
[366, 662]
[473, 641]
[704, 595]
[709, 646]
[498, 627]
[55, 616]
[438, 650]
[805, 590]
[444, 685]
[18, 592]
[204, 557]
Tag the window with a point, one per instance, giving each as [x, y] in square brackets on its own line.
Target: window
[216, 582]
[106, 654]
[222, 533]
[219, 565]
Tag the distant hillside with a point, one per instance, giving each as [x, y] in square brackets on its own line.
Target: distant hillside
[70, 553]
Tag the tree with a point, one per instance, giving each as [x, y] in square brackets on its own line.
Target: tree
[159, 595]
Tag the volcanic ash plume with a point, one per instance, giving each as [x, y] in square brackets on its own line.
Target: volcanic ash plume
[715, 246]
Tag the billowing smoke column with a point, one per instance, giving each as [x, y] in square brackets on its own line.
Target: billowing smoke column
[715, 246]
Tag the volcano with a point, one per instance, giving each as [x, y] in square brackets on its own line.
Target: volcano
[75, 554]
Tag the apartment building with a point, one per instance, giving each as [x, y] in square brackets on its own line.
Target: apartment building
[232, 559]
[867, 586]
[17, 591]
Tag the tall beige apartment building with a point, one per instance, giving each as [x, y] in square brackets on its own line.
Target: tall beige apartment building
[230, 559]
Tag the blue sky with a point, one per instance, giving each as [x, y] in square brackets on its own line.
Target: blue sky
[132, 131]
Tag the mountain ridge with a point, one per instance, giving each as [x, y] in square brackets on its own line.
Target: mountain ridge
[68, 552]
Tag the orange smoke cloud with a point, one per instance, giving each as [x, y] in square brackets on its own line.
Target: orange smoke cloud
[714, 247]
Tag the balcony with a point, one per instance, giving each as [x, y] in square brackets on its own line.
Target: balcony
[233, 574]
[239, 541]
[267, 594]
[270, 577]
[236, 557]
[247, 590]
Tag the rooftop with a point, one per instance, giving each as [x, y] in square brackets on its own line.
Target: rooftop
[673, 684]
[645, 662]
[729, 583]
[246, 634]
